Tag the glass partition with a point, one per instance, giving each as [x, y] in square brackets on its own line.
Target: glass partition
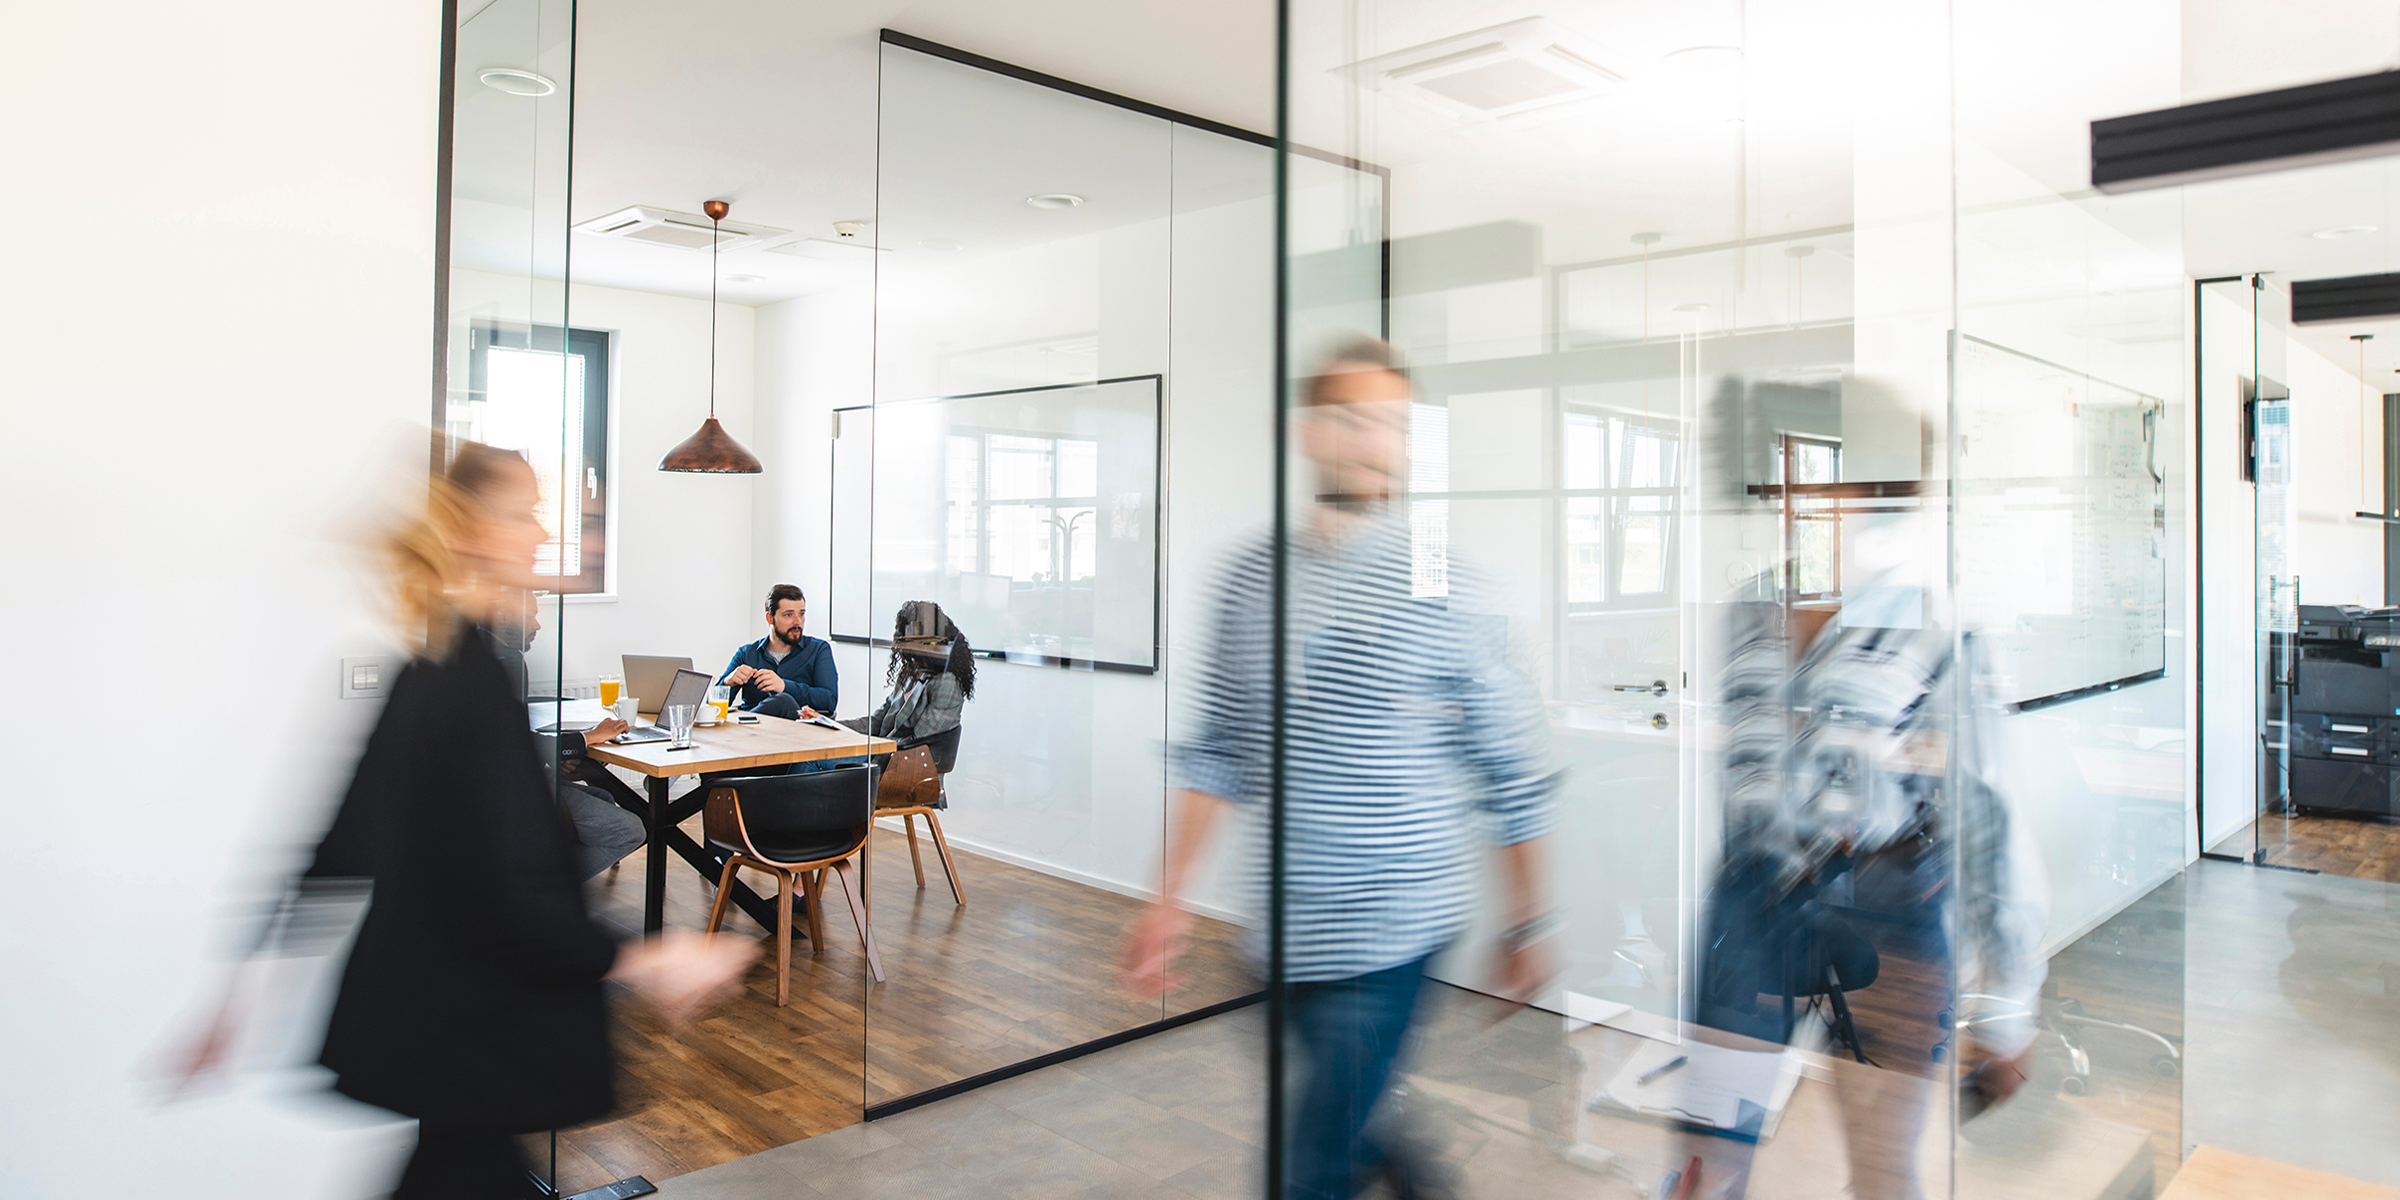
[1075, 321]
[1746, 571]
[519, 375]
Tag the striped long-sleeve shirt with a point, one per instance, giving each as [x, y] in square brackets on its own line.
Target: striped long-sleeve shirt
[1403, 723]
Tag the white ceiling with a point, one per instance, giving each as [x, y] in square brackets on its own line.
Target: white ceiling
[772, 106]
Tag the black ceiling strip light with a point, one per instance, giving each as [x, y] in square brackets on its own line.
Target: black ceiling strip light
[2242, 135]
[2351, 298]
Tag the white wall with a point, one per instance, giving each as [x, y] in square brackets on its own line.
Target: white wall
[680, 545]
[2340, 462]
[815, 354]
[217, 325]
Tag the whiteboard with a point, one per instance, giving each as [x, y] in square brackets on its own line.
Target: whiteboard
[2062, 566]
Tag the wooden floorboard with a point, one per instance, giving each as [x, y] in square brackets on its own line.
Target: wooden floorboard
[1026, 967]
[2360, 848]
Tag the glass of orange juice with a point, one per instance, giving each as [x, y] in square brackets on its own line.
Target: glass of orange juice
[720, 698]
[610, 686]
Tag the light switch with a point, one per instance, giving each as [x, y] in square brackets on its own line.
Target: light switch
[365, 677]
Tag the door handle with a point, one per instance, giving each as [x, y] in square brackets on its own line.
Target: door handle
[2350, 750]
[1656, 687]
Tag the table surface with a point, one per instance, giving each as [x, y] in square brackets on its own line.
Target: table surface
[732, 746]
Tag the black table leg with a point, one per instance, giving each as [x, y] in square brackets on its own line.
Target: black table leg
[659, 820]
[654, 880]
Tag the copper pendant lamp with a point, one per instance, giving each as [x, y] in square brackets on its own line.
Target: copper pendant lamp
[712, 451]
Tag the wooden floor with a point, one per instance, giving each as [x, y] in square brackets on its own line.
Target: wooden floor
[1027, 966]
[2214, 1174]
[2359, 849]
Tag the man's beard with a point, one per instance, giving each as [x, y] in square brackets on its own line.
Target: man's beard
[788, 639]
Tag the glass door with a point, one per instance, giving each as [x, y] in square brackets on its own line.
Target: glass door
[2273, 441]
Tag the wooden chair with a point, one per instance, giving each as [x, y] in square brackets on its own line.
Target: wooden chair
[912, 788]
[796, 827]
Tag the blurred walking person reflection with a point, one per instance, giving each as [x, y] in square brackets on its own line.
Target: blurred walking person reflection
[1863, 824]
[1406, 732]
[472, 999]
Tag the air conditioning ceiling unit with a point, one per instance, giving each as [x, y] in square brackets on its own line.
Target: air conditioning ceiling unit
[681, 230]
[1521, 71]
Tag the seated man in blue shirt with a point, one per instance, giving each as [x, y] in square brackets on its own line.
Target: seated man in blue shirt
[784, 674]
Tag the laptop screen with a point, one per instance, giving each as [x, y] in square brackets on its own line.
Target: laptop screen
[690, 687]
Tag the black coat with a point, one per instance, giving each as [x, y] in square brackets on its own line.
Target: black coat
[473, 995]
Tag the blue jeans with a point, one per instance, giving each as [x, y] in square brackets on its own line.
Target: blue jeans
[1352, 1031]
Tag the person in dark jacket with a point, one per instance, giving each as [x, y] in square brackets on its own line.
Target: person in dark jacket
[473, 999]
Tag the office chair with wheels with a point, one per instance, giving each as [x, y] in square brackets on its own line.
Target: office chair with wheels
[796, 827]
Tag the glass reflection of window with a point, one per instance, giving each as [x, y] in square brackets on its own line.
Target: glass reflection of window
[1816, 524]
[964, 476]
[1429, 520]
[1620, 542]
[1024, 506]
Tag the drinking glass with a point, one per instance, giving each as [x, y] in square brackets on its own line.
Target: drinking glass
[720, 697]
[679, 722]
[610, 686]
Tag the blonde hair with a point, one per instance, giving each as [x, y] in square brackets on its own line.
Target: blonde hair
[421, 552]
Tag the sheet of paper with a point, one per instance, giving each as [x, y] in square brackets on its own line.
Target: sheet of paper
[1709, 1088]
[829, 723]
[573, 714]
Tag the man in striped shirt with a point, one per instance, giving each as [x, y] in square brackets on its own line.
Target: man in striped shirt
[1407, 740]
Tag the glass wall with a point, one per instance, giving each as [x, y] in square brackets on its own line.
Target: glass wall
[1074, 320]
[1740, 588]
[518, 376]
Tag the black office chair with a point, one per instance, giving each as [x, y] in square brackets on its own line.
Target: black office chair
[1828, 958]
[795, 827]
[943, 747]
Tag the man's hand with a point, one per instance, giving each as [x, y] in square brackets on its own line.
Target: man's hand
[742, 675]
[809, 714]
[606, 731]
[1148, 959]
[767, 681]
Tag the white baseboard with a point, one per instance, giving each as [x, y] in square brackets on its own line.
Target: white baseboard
[1058, 872]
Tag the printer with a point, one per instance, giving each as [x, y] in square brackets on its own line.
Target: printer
[2343, 723]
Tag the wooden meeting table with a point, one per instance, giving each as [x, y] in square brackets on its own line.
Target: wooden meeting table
[728, 747]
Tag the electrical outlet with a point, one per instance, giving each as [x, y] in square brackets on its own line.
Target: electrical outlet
[366, 678]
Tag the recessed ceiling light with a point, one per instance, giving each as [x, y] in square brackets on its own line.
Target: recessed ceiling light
[516, 82]
[745, 279]
[940, 245]
[1054, 200]
[1703, 60]
[1694, 307]
[2341, 231]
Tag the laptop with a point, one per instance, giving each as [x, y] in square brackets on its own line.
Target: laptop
[689, 687]
[648, 676]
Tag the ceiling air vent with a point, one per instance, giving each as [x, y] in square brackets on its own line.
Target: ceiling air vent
[1521, 70]
[683, 231]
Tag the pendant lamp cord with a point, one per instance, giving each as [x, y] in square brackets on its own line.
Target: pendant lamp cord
[714, 238]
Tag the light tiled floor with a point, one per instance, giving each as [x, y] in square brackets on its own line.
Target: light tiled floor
[1175, 1116]
[2291, 983]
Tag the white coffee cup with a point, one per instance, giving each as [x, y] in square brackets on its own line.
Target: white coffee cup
[627, 706]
